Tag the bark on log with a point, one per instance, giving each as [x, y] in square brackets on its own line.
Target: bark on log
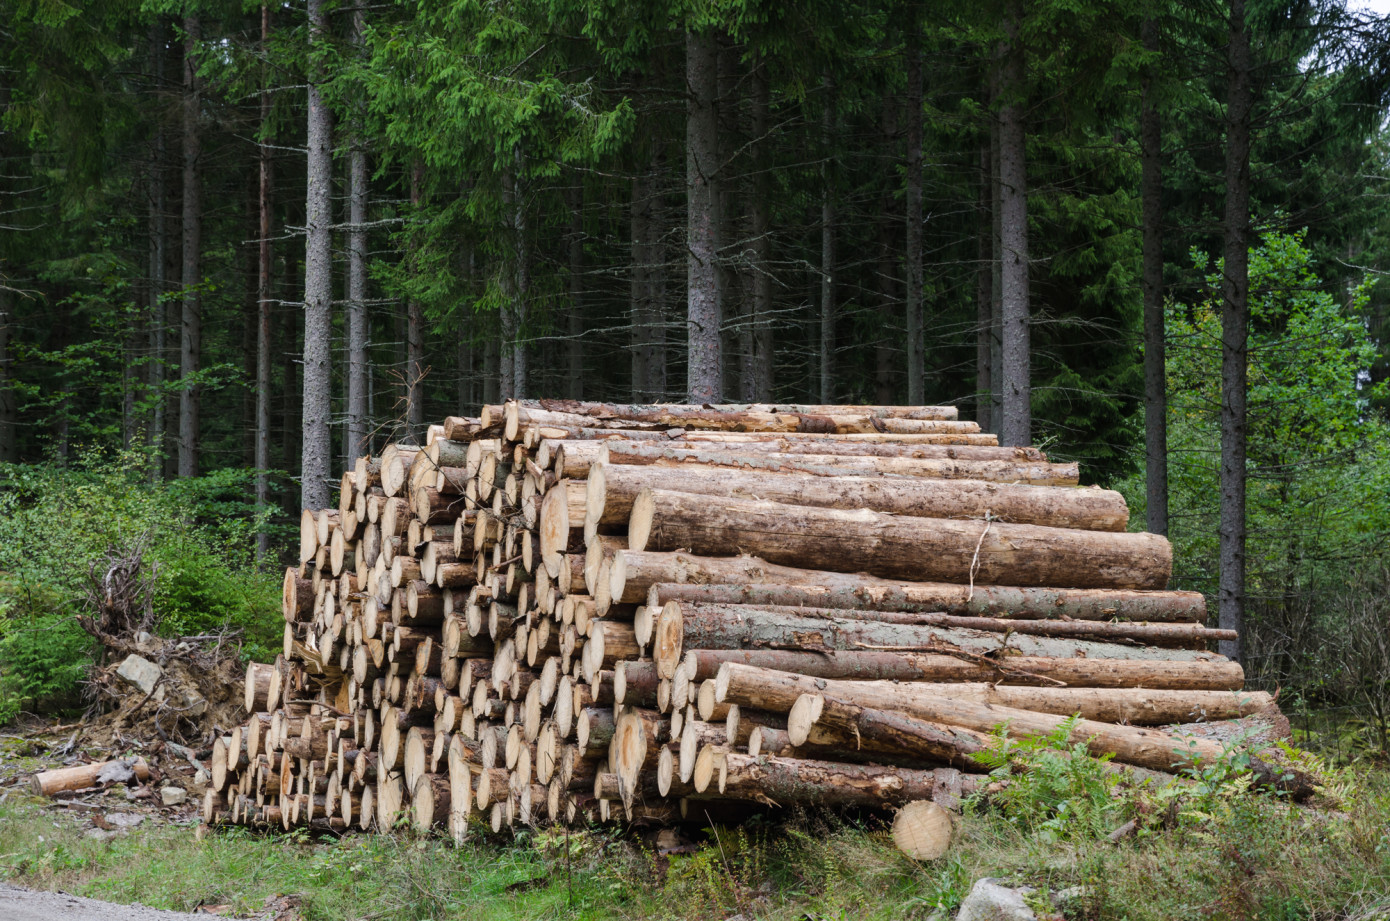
[612, 489]
[894, 546]
[573, 456]
[765, 689]
[1015, 670]
[1032, 473]
[682, 625]
[751, 581]
[81, 776]
[781, 781]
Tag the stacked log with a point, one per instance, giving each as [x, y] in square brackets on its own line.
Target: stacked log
[567, 612]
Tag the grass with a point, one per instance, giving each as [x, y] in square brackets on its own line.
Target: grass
[1258, 859]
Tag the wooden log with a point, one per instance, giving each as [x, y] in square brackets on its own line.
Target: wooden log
[670, 413]
[573, 457]
[895, 546]
[81, 776]
[922, 830]
[612, 488]
[297, 596]
[869, 665]
[429, 802]
[683, 625]
[795, 780]
[765, 689]
[866, 593]
[256, 687]
[1032, 473]
[818, 720]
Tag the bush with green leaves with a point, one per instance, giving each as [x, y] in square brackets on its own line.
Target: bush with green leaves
[56, 520]
[1050, 786]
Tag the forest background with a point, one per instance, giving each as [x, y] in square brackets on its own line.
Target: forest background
[241, 243]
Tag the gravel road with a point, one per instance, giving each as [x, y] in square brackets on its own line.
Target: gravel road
[27, 905]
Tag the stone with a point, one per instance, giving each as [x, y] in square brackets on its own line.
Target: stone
[173, 796]
[124, 819]
[140, 673]
[992, 900]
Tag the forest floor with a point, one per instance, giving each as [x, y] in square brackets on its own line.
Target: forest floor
[1253, 857]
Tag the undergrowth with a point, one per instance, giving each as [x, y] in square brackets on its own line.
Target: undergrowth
[55, 521]
[1254, 856]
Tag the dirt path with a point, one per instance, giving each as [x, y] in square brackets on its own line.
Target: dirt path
[18, 904]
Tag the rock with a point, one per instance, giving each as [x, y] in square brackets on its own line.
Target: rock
[173, 796]
[140, 673]
[991, 900]
[124, 819]
[99, 834]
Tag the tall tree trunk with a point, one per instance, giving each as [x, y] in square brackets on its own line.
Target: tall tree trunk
[761, 208]
[158, 229]
[574, 322]
[726, 212]
[640, 288]
[827, 246]
[191, 325]
[9, 448]
[704, 370]
[984, 298]
[415, 331]
[263, 278]
[1235, 328]
[891, 294]
[522, 276]
[912, 203]
[357, 440]
[492, 369]
[996, 307]
[1155, 375]
[316, 446]
[1017, 424]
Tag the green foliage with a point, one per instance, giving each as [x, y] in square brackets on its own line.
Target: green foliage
[56, 522]
[1052, 787]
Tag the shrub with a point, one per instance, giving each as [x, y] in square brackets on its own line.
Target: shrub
[55, 521]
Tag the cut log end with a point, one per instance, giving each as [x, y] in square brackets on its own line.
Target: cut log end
[922, 830]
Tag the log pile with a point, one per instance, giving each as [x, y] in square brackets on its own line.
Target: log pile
[565, 612]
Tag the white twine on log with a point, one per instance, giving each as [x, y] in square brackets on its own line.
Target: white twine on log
[975, 560]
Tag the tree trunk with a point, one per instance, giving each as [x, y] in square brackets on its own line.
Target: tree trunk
[50, 783]
[703, 309]
[1235, 326]
[574, 341]
[191, 323]
[9, 448]
[612, 489]
[316, 446]
[1017, 423]
[522, 273]
[761, 208]
[357, 439]
[1155, 373]
[263, 264]
[827, 245]
[158, 258]
[799, 780]
[876, 665]
[996, 266]
[835, 465]
[415, 332]
[984, 299]
[895, 546]
[912, 203]
[764, 689]
[684, 625]
[640, 289]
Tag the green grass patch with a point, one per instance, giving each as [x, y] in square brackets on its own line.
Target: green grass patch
[1258, 858]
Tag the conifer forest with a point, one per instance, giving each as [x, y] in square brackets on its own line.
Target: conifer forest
[253, 241]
